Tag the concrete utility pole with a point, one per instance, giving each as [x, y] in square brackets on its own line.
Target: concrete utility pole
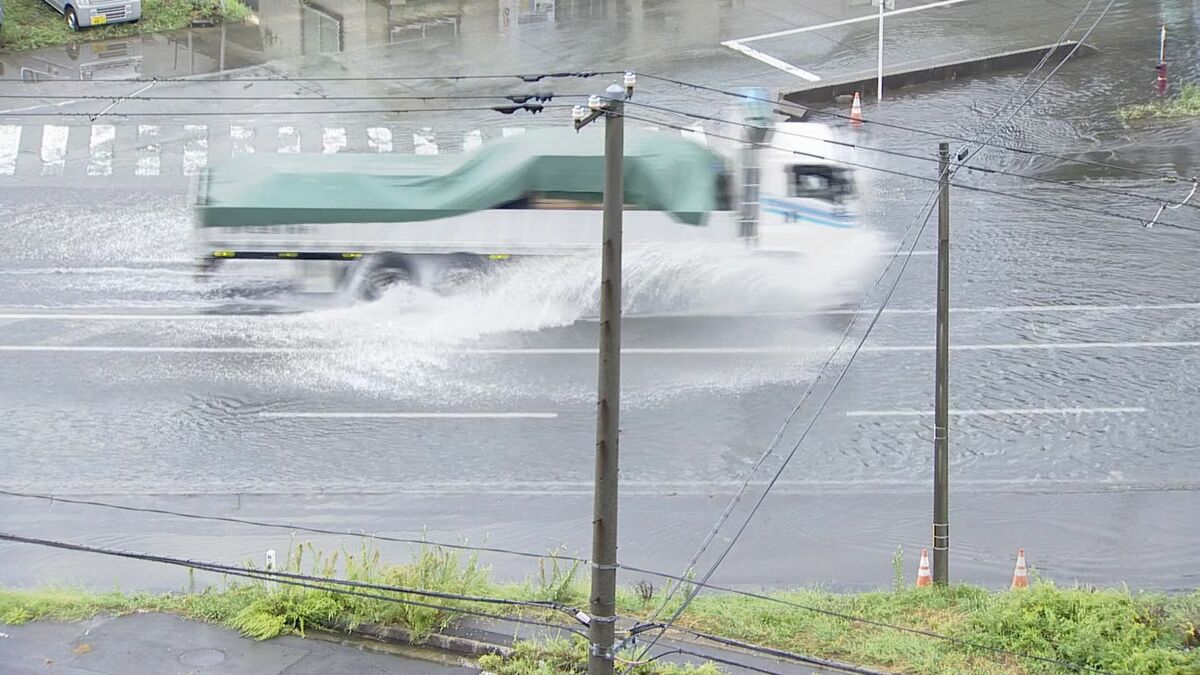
[941, 410]
[602, 623]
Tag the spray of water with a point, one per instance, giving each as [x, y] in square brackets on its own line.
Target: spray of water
[410, 342]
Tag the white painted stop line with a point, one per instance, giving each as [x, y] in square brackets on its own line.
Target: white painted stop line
[972, 412]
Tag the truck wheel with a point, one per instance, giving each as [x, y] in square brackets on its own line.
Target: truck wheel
[72, 19]
[383, 271]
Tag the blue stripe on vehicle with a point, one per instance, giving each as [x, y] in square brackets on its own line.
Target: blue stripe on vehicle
[806, 214]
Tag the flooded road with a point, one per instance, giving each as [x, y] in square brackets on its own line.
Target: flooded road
[1075, 373]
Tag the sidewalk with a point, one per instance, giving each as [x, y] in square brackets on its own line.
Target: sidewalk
[161, 643]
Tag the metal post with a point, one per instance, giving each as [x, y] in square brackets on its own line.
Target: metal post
[608, 404]
[221, 57]
[941, 441]
[879, 78]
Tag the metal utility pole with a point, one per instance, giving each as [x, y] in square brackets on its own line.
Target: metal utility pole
[941, 410]
[602, 622]
[882, 4]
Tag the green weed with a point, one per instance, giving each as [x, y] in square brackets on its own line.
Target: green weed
[1185, 104]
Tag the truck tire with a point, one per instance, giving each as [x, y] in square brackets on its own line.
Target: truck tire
[381, 272]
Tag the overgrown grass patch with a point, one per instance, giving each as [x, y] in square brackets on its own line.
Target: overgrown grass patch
[1184, 105]
[31, 24]
[1112, 630]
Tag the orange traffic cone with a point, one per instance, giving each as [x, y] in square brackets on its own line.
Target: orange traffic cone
[924, 578]
[856, 111]
[1020, 574]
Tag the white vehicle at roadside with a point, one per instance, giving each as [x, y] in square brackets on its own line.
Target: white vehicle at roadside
[80, 14]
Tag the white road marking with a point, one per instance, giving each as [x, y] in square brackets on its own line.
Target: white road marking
[40, 106]
[333, 140]
[34, 316]
[1043, 346]
[425, 142]
[412, 415]
[289, 140]
[845, 22]
[739, 45]
[1016, 309]
[901, 254]
[10, 146]
[997, 411]
[379, 139]
[241, 140]
[472, 140]
[100, 150]
[1033, 309]
[149, 161]
[631, 351]
[195, 148]
[117, 102]
[122, 349]
[773, 62]
[54, 149]
[695, 133]
[512, 131]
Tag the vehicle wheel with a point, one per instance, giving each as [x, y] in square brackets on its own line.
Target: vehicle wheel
[382, 272]
[72, 19]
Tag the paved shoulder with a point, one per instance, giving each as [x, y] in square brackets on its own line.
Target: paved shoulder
[161, 643]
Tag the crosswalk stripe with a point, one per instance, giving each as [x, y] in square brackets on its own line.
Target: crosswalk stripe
[333, 140]
[425, 142]
[289, 140]
[379, 139]
[195, 149]
[100, 155]
[10, 147]
[696, 133]
[242, 140]
[149, 162]
[472, 140]
[108, 149]
[54, 149]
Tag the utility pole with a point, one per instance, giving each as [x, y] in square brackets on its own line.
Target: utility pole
[941, 410]
[882, 4]
[602, 622]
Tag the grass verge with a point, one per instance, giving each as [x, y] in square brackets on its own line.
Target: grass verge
[1185, 104]
[1112, 630]
[31, 24]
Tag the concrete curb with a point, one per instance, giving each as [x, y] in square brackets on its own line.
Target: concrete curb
[473, 639]
[828, 92]
[462, 646]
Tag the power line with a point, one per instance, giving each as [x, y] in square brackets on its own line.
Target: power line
[312, 582]
[803, 434]
[771, 651]
[728, 511]
[292, 527]
[515, 98]
[856, 146]
[1056, 68]
[927, 132]
[971, 188]
[533, 108]
[527, 77]
[214, 567]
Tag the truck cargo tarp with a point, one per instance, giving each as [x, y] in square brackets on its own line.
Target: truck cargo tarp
[663, 172]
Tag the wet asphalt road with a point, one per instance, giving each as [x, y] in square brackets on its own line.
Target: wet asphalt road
[1074, 379]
